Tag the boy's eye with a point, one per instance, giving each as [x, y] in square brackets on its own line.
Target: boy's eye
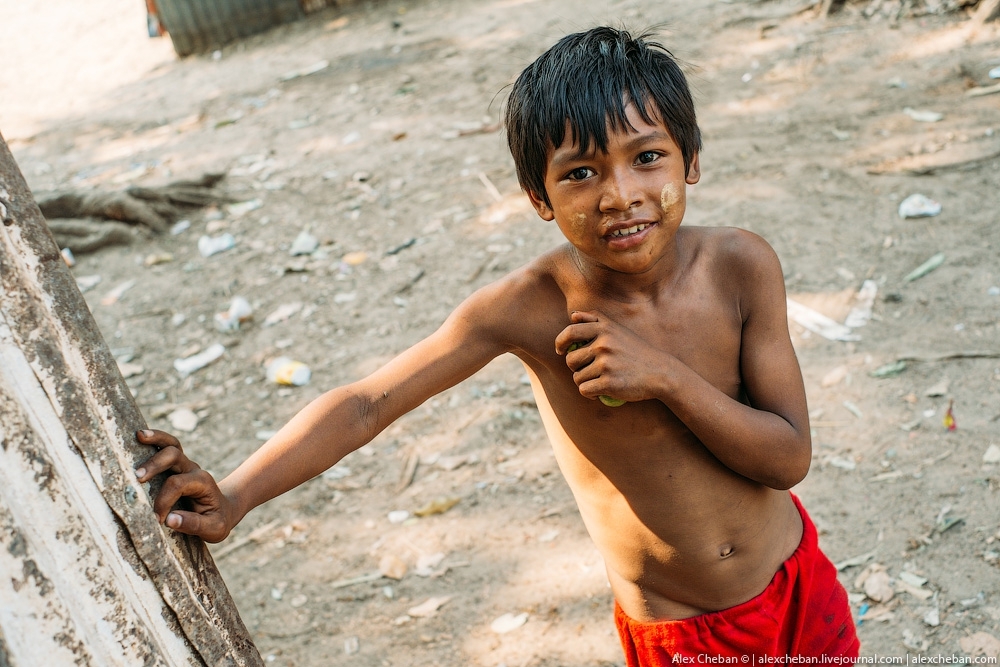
[647, 156]
[579, 174]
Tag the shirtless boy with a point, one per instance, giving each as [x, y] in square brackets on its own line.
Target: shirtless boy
[684, 488]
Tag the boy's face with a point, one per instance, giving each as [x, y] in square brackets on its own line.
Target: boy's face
[621, 208]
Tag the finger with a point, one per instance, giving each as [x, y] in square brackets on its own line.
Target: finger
[587, 373]
[169, 458]
[593, 388]
[579, 316]
[580, 358]
[157, 438]
[581, 333]
[197, 485]
[208, 527]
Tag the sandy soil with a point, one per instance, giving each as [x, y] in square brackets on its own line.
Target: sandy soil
[392, 151]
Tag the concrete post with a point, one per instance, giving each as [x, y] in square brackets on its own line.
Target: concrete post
[87, 576]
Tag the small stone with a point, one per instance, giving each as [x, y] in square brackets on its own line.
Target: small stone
[183, 419]
[992, 454]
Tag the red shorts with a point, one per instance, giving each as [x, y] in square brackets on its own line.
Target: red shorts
[803, 612]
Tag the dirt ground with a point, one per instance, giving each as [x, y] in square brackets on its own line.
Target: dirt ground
[391, 158]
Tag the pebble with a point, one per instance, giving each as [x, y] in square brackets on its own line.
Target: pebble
[183, 419]
[213, 245]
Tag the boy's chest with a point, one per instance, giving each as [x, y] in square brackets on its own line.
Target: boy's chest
[700, 327]
[702, 331]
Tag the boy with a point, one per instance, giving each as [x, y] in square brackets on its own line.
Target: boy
[684, 486]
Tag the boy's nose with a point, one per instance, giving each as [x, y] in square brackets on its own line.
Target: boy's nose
[621, 192]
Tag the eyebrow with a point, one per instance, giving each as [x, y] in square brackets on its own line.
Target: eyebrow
[636, 142]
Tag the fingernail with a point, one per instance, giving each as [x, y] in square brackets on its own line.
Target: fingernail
[140, 473]
[174, 520]
[146, 433]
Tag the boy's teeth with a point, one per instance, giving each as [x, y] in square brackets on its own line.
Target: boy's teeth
[630, 230]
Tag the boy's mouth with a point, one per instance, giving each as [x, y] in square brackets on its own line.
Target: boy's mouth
[629, 231]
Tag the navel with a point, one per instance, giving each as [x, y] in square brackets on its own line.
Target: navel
[726, 551]
[669, 196]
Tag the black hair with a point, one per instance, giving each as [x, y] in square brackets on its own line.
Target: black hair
[587, 79]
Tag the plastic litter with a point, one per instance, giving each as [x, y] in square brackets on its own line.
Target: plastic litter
[198, 361]
[398, 516]
[862, 311]
[933, 617]
[919, 206]
[68, 257]
[923, 115]
[288, 372]
[213, 245]
[180, 227]
[995, 73]
[819, 323]
[508, 623]
[912, 579]
[949, 417]
[240, 311]
[934, 262]
[889, 370]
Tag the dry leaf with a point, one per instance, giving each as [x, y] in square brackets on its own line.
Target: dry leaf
[428, 608]
[437, 506]
[392, 567]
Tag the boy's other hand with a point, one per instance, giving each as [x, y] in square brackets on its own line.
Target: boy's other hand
[609, 360]
[211, 518]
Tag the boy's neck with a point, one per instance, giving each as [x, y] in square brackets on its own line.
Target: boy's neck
[629, 287]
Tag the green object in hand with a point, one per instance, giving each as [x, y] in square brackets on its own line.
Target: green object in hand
[607, 400]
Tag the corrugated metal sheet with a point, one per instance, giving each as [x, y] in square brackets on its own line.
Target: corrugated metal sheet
[202, 25]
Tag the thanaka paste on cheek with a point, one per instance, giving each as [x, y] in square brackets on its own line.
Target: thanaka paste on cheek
[579, 223]
[669, 196]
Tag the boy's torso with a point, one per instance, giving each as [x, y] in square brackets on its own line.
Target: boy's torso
[681, 534]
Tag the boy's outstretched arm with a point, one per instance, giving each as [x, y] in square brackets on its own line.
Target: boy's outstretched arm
[765, 439]
[333, 425]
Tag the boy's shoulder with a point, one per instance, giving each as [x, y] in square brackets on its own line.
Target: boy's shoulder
[726, 241]
[525, 294]
[731, 250]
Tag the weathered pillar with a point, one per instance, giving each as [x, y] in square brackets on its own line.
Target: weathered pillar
[87, 576]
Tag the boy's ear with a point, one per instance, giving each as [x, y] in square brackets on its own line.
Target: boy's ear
[694, 171]
[545, 211]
